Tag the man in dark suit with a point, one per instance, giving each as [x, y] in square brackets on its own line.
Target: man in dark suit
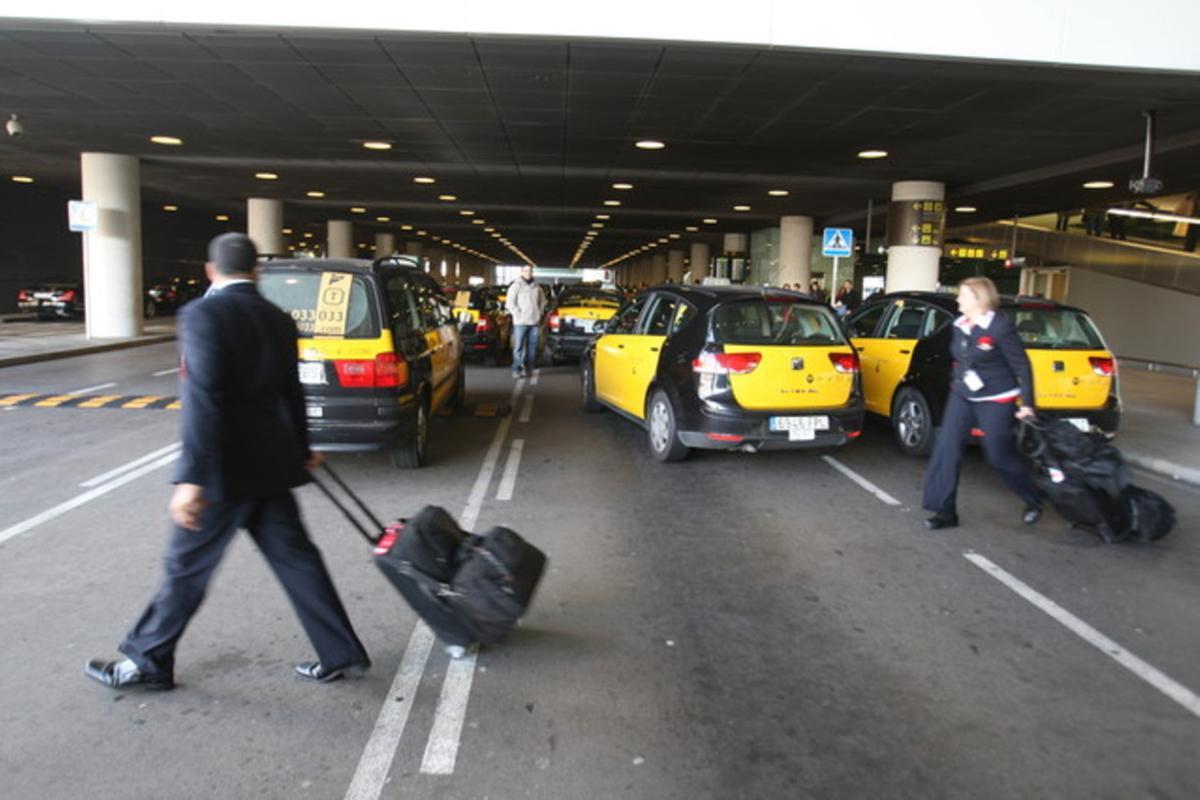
[245, 446]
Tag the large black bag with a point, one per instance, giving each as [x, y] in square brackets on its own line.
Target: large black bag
[1085, 507]
[430, 543]
[495, 582]
[1150, 516]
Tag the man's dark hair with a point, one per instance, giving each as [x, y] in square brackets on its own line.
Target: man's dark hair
[232, 254]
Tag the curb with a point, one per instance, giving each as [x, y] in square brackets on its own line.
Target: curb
[32, 358]
[1166, 468]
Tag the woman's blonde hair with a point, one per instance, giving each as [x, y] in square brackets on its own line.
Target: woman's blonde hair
[984, 290]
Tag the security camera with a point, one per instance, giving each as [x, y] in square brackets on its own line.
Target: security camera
[14, 127]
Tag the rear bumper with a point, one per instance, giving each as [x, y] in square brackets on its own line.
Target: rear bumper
[353, 425]
[709, 429]
[568, 344]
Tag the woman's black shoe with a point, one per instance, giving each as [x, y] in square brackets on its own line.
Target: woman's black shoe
[939, 521]
[1032, 514]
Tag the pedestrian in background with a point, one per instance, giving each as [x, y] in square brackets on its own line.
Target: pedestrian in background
[245, 447]
[991, 374]
[847, 298]
[526, 303]
[815, 290]
[1093, 220]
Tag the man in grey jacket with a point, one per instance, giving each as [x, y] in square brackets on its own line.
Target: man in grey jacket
[526, 303]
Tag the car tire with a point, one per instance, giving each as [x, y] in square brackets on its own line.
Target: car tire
[587, 380]
[912, 422]
[661, 430]
[413, 452]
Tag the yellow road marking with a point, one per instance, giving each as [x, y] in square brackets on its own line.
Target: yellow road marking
[175, 406]
[13, 399]
[97, 402]
[141, 402]
[54, 400]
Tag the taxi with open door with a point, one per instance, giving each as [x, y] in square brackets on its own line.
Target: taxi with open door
[726, 368]
[903, 343]
[379, 351]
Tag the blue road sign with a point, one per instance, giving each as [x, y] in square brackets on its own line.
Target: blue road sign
[837, 242]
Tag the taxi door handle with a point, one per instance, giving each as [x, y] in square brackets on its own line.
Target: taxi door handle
[621, 346]
[653, 349]
[905, 352]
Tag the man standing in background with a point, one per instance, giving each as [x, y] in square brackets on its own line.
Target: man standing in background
[526, 303]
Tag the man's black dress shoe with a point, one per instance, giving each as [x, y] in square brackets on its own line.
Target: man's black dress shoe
[124, 674]
[1032, 514]
[939, 521]
[315, 671]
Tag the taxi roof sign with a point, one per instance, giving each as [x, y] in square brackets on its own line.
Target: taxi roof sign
[837, 242]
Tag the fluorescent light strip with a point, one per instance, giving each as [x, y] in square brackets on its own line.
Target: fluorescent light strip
[1162, 216]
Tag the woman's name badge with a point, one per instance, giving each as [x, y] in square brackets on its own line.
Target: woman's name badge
[972, 380]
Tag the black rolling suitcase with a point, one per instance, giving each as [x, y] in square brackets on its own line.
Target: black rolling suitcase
[467, 588]
[1086, 480]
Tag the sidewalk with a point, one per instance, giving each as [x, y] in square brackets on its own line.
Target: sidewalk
[24, 341]
[1156, 427]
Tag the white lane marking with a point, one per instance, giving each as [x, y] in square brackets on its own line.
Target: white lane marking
[442, 750]
[75, 502]
[137, 462]
[527, 410]
[508, 480]
[537, 374]
[1147, 672]
[861, 481]
[377, 758]
[96, 388]
[171, 371]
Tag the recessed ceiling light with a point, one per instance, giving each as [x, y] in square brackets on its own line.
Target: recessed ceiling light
[663, 240]
[741, 208]
[287, 231]
[965, 209]
[170, 141]
[362, 245]
[650, 144]
[691, 229]
[170, 208]
[424, 179]
[308, 234]
[421, 233]
[872, 153]
[478, 221]
[383, 219]
[406, 227]
[597, 224]
[314, 193]
[495, 235]
[488, 230]
[603, 216]
[222, 218]
[672, 235]
[377, 145]
[266, 176]
[709, 221]
[1098, 185]
[778, 192]
[449, 198]
[357, 210]
[624, 187]
[22, 179]
[467, 213]
[612, 202]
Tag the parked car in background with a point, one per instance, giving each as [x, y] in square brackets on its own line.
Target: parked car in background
[52, 300]
[573, 317]
[483, 323]
[167, 297]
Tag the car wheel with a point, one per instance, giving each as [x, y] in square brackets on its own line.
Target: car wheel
[662, 430]
[412, 454]
[587, 379]
[912, 422]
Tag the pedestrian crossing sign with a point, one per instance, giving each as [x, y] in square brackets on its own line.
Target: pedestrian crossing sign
[837, 242]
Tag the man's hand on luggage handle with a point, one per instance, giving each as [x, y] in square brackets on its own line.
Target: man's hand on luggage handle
[1025, 412]
[186, 504]
[315, 460]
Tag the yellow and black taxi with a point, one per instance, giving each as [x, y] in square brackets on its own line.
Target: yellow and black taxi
[726, 368]
[903, 343]
[379, 351]
[483, 323]
[574, 317]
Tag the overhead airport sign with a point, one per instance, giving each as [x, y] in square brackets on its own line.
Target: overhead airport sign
[837, 242]
[81, 215]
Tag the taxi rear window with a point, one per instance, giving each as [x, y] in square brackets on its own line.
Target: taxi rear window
[336, 304]
[1054, 328]
[773, 322]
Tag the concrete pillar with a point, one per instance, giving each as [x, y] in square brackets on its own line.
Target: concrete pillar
[916, 219]
[795, 251]
[264, 225]
[340, 239]
[112, 253]
[734, 244]
[385, 244]
[658, 268]
[700, 256]
[675, 266]
[412, 248]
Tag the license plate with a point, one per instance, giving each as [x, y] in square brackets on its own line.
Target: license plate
[585, 325]
[314, 411]
[800, 429]
[1081, 424]
[312, 372]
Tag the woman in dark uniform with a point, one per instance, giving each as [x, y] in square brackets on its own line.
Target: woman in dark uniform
[992, 380]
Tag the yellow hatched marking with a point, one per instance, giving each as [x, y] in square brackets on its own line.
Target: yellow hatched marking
[141, 402]
[54, 400]
[485, 410]
[175, 406]
[13, 399]
[98, 402]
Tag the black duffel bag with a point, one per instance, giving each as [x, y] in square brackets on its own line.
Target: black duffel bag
[496, 578]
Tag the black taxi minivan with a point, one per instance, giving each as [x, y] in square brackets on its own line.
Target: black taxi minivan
[726, 368]
[379, 351]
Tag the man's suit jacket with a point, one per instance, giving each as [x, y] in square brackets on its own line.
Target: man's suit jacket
[245, 434]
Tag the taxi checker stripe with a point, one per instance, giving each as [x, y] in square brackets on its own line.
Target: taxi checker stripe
[30, 400]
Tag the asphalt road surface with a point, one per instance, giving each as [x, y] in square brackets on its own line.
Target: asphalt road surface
[777, 625]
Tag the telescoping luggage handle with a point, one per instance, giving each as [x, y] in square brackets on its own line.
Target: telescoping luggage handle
[358, 525]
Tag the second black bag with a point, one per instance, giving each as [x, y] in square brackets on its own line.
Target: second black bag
[1150, 516]
[495, 582]
[430, 542]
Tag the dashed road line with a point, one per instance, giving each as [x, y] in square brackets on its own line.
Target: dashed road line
[527, 410]
[861, 481]
[1147, 672]
[508, 480]
[162, 372]
[537, 375]
[441, 751]
[137, 462]
[91, 389]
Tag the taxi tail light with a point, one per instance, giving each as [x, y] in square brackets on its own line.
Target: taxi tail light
[482, 325]
[726, 363]
[1103, 365]
[68, 296]
[22, 296]
[844, 362]
[554, 321]
[385, 371]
